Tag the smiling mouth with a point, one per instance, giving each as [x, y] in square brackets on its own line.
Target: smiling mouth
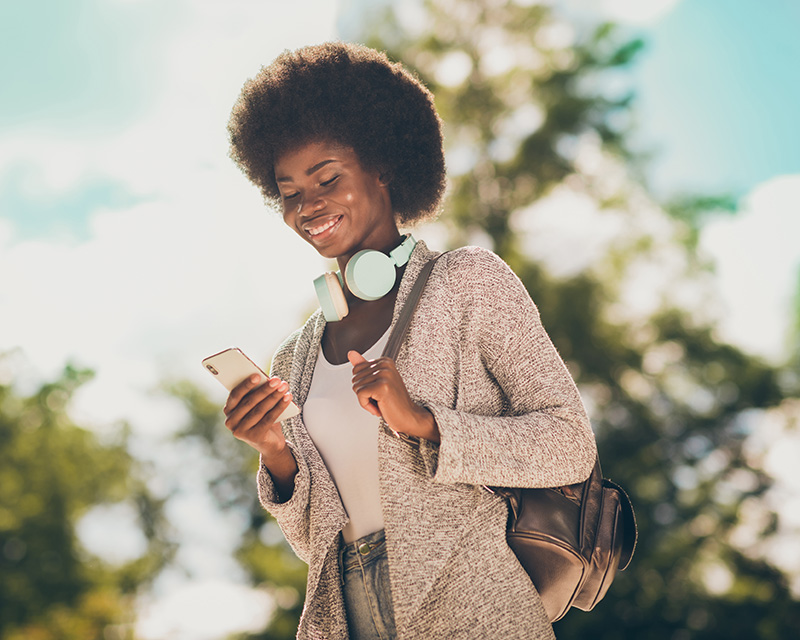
[322, 228]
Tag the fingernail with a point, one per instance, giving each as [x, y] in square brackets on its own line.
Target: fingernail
[255, 377]
[274, 382]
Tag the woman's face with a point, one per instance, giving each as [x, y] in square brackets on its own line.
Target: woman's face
[333, 202]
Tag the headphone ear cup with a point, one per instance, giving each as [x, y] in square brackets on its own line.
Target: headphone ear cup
[370, 275]
[331, 297]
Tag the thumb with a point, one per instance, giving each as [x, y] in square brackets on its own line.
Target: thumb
[355, 358]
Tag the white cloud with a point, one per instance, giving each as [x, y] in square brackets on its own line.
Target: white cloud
[758, 265]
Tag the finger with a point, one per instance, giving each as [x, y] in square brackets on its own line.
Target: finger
[362, 377]
[254, 398]
[378, 380]
[379, 364]
[264, 414]
[267, 411]
[369, 404]
[373, 409]
[356, 358]
[368, 392]
[245, 387]
[279, 408]
[368, 368]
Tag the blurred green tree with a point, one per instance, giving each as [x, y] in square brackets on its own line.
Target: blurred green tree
[537, 114]
[52, 472]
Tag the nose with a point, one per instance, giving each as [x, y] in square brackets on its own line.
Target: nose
[310, 205]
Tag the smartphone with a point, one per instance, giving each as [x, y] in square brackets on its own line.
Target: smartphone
[232, 367]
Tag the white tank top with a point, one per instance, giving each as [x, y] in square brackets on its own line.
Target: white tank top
[346, 436]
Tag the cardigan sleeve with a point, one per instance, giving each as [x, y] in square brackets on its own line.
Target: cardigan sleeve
[292, 514]
[542, 437]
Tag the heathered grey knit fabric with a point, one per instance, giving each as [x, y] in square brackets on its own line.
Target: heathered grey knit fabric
[509, 415]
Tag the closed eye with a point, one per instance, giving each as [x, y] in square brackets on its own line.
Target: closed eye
[326, 183]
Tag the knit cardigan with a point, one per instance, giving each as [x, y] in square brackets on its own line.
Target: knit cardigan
[476, 355]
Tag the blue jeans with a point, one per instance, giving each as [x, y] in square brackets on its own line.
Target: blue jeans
[367, 594]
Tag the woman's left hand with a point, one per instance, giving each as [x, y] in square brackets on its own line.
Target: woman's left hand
[382, 392]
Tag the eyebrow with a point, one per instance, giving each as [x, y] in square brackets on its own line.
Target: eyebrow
[309, 171]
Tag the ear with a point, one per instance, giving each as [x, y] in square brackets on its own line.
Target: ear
[384, 178]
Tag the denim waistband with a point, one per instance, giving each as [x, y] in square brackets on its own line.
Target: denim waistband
[362, 551]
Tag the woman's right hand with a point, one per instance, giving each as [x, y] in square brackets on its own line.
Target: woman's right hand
[252, 412]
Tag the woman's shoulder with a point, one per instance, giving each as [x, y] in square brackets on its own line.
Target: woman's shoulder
[286, 350]
[476, 266]
[289, 342]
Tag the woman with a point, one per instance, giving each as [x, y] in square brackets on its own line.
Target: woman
[400, 536]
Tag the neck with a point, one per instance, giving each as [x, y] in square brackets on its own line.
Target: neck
[384, 246]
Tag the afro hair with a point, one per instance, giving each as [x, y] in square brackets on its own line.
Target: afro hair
[351, 95]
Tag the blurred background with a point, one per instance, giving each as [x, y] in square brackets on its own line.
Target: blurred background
[637, 164]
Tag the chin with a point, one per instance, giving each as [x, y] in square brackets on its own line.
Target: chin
[326, 252]
[329, 255]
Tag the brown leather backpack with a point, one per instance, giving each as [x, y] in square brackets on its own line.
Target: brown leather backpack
[572, 540]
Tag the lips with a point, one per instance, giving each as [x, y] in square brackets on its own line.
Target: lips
[322, 228]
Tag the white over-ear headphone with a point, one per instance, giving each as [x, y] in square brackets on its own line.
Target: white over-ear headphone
[369, 274]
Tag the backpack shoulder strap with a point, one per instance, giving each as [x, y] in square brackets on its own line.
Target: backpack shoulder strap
[401, 327]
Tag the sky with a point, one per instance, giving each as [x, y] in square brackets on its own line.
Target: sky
[130, 244]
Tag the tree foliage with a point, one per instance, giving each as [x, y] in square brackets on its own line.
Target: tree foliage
[52, 472]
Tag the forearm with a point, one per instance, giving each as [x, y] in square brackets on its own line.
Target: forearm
[426, 426]
[282, 468]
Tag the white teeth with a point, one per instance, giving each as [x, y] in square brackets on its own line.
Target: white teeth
[317, 230]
